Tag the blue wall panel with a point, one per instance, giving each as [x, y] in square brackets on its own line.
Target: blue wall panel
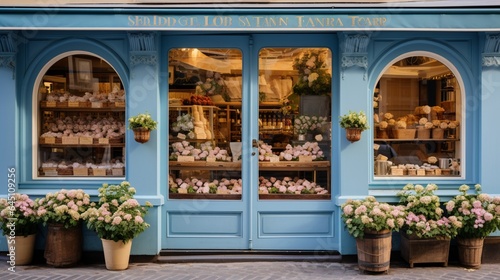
[208, 224]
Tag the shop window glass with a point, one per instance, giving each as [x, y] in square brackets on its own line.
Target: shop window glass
[81, 120]
[205, 93]
[294, 123]
[417, 117]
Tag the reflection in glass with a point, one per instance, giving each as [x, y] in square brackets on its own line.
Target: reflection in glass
[205, 90]
[294, 123]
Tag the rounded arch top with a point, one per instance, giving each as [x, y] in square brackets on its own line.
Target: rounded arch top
[452, 58]
[64, 47]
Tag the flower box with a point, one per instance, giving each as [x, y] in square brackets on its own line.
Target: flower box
[70, 140]
[101, 141]
[117, 171]
[99, 104]
[63, 104]
[185, 195]
[185, 158]
[81, 171]
[48, 104]
[115, 140]
[64, 171]
[408, 133]
[86, 140]
[99, 171]
[305, 158]
[49, 171]
[47, 140]
[211, 159]
[424, 250]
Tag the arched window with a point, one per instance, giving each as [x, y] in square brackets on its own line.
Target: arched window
[80, 104]
[418, 121]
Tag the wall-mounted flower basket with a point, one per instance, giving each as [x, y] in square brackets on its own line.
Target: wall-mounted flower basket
[142, 134]
[353, 123]
[353, 134]
[142, 125]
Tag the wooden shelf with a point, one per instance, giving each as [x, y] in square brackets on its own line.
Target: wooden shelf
[415, 140]
[82, 145]
[83, 109]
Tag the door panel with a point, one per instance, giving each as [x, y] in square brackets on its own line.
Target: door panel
[207, 202]
[199, 216]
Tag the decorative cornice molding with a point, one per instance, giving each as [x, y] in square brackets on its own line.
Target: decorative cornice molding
[143, 48]
[8, 52]
[491, 54]
[355, 51]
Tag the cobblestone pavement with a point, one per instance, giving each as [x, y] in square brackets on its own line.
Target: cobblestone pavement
[247, 271]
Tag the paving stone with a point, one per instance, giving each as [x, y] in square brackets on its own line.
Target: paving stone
[247, 271]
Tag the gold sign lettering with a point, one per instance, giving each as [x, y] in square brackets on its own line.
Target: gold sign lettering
[262, 21]
[311, 22]
[211, 21]
[367, 21]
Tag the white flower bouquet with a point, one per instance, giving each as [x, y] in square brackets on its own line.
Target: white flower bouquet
[304, 124]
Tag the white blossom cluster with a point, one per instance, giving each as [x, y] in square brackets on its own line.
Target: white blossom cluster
[307, 149]
[289, 186]
[85, 126]
[184, 148]
[204, 186]
[116, 95]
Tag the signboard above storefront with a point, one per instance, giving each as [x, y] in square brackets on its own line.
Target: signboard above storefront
[213, 17]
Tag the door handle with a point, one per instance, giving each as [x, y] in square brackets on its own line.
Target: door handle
[255, 143]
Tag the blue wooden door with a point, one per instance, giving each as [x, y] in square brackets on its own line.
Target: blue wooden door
[194, 218]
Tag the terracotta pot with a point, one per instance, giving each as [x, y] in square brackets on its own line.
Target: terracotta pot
[63, 246]
[353, 134]
[24, 247]
[470, 251]
[116, 254]
[141, 134]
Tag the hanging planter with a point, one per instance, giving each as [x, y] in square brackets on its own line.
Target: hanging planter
[142, 134]
[142, 124]
[353, 134]
[353, 123]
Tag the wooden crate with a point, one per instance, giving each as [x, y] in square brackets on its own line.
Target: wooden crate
[70, 140]
[81, 171]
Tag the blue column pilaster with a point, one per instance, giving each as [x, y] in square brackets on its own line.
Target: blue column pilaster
[354, 96]
[490, 100]
[8, 115]
[142, 159]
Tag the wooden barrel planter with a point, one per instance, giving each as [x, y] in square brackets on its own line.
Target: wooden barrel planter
[424, 250]
[374, 251]
[470, 251]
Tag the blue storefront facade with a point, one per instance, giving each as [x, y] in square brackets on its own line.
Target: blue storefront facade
[364, 42]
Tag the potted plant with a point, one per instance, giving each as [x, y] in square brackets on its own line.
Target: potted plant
[354, 123]
[117, 219]
[19, 224]
[314, 78]
[479, 214]
[61, 211]
[304, 124]
[313, 85]
[371, 223]
[142, 124]
[425, 237]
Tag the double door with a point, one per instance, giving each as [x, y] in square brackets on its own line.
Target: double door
[248, 156]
